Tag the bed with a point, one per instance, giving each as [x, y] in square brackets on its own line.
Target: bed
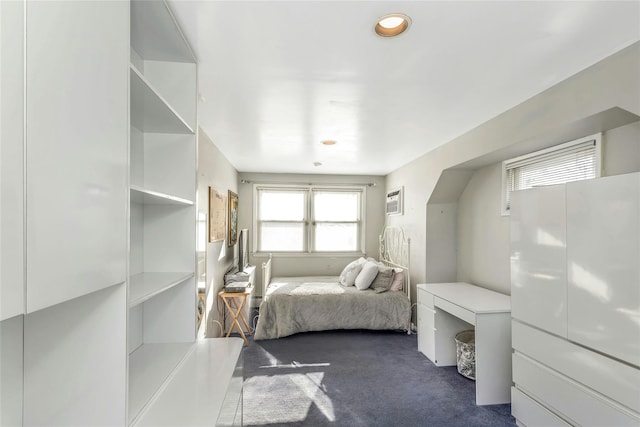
[292, 305]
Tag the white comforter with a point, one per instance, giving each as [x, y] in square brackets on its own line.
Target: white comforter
[303, 304]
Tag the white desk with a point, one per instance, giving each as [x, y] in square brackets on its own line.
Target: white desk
[444, 309]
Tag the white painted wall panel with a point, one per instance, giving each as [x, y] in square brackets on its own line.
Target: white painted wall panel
[538, 258]
[603, 234]
[166, 317]
[176, 83]
[168, 164]
[169, 232]
[11, 160]
[77, 130]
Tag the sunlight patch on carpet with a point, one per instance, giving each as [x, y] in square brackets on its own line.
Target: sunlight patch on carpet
[285, 398]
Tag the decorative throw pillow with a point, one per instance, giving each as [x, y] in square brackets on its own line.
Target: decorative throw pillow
[398, 280]
[351, 271]
[382, 282]
[366, 276]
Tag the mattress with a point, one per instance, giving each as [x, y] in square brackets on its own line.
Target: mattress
[318, 303]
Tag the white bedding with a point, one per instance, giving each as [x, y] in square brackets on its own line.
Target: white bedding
[318, 303]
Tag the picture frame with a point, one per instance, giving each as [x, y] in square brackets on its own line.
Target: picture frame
[232, 223]
[393, 202]
[217, 216]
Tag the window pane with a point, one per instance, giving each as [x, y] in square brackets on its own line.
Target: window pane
[281, 205]
[336, 237]
[338, 206]
[282, 236]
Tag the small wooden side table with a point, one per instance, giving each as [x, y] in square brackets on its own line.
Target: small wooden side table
[234, 302]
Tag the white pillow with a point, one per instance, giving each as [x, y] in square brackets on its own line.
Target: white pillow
[366, 276]
[351, 271]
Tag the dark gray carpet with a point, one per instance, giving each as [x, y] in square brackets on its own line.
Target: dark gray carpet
[357, 378]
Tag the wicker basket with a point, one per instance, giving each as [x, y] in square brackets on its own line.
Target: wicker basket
[466, 353]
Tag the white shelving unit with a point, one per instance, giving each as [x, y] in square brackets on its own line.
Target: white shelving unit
[98, 221]
[162, 290]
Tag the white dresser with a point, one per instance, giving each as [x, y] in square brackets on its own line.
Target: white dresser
[575, 289]
[444, 309]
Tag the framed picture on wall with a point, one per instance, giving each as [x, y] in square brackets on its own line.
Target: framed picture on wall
[216, 216]
[232, 224]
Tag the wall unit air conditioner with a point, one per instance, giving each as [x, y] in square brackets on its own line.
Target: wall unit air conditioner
[393, 205]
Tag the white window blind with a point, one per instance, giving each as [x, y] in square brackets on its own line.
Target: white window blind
[572, 161]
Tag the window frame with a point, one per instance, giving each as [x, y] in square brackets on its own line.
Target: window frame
[309, 220]
[559, 150]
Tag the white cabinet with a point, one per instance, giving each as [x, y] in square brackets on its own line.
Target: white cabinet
[11, 160]
[11, 212]
[538, 258]
[588, 371]
[64, 208]
[603, 265]
[76, 149]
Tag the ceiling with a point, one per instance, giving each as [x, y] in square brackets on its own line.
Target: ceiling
[278, 77]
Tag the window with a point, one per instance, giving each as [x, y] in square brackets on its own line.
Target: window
[572, 161]
[308, 219]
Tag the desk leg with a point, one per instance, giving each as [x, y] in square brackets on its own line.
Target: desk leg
[493, 358]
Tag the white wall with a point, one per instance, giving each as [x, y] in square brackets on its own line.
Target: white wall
[299, 265]
[622, 150]
[567, 111]
[483, 233]
[214, 170]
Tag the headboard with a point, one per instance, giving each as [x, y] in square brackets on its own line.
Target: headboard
[395, 251]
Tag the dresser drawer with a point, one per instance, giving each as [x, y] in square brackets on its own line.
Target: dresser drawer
[424, 297]
[530, 413]
[581, 405]
[456, 310]
[426, 331]
[617, 381]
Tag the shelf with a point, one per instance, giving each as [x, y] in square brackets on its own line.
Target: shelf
[155, 34]
[144, 286]
[150, 112]
[150, 197]
[149, 367]
[209, 375]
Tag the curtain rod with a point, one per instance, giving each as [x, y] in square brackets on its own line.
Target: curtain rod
[368, 184]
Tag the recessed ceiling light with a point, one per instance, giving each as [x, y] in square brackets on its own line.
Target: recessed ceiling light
[329, 142]
[392, 25]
